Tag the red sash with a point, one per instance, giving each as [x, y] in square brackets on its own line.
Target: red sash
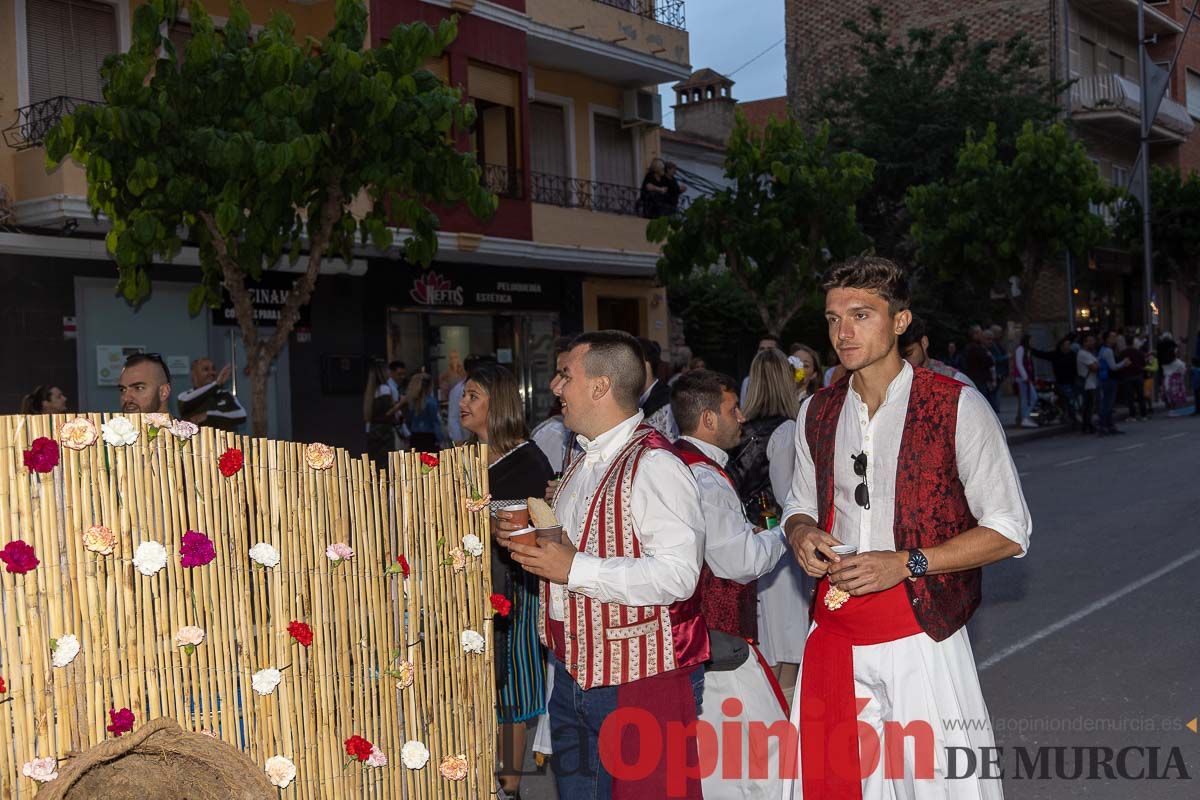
[828, 709]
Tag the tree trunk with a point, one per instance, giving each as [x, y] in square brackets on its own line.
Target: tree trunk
[260, 373]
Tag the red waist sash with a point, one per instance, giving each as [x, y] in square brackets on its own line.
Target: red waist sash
[828, 709]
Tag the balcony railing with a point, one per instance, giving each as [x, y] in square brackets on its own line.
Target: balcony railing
[611, 198]
[1116, 93]
[36, 120]
[502, 180]
[666, 12]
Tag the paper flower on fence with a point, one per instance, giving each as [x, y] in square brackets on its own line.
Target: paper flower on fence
[471, 641]
[456, 559]
[64, 649]
[99, 539]
[500, 604]
[339, 552]
[188, 637]
[319, 456]
[403, 673]
[230, 462]
[3, 688]
[156, 420]
[414, 754]
[196, 550]
[301, 632]
[183, 430]
[149, 558]
[429, 463]
[280, 771]
[42, 455]
[41, 769]
[266, 680]
[77, 433]
[119, 432]
[472, 544]
[377, 758]
[475, 503]
[454, 768]
[400, 567]
[358, 747]
[18, 557]
[122, 721]
[264, 555]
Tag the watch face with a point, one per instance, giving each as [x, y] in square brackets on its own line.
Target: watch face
[917, 563]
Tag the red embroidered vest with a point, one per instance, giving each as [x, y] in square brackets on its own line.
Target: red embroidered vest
[609, 644]
[931, 506]
[728, 606]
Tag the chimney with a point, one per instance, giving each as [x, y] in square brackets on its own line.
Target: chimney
[704, 106]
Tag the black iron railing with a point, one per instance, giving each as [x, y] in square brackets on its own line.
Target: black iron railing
[667, 12]
[36, 120]
[503, 181]
[612, 198]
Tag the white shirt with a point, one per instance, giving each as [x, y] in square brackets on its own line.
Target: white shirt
[731, 547]
[985, 467]
[781, 460]
[552, 438]
[454, 428]
[1084, 359]
[665, 505]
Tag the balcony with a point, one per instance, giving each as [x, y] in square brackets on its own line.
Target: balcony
[1115, 102]
[1123, 14]
[664, 12]
[35, 121]
[502, 181]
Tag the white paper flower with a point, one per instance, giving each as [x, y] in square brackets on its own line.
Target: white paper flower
[338, 552]
[377, 758]
[119, 431]
[149, 558]
[266, 680]
[472, 545]
[471, 641]
[183, 430]
[66, 647]
[189, 635]
[280, 771]
[414, 755]
[263, 553]
[41, 769]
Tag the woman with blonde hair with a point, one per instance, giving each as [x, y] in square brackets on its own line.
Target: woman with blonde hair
[762, 467]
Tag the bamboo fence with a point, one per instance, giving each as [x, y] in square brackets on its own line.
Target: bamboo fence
[366, 619]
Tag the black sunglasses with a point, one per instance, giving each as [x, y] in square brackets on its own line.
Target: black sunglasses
[862, 495]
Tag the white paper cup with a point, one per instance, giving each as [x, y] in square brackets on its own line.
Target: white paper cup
[844, 549]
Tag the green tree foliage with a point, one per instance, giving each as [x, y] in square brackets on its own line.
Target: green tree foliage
[254, 148]
[789, 211]
[1175, 230]
[911, 99]
[994, 218]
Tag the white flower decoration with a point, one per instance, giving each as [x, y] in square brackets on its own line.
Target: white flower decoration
[338, 552]
[41, 769]
[149, 558]
[280, 771]
[265, 680]
[183, 430]
[119, 432]
[189, 636]
[472, 545]
[377, 758]
[471, 641]
[66, 647]
[157, 420]
[263, 553]
[414, 755]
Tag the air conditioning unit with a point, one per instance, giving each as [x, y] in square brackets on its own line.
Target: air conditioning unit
[641, 108]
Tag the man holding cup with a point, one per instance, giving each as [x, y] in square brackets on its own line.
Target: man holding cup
[907, 473]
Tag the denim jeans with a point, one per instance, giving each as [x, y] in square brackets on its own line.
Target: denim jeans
[1108, 401]
[576, 717]
[1027, 393]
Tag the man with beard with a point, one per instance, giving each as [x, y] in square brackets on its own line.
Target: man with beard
[145, 385]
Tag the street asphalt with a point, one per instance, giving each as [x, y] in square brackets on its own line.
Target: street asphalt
[1092, 640]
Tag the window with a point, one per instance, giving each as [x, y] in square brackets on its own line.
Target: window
[549, 145]
[495, 140]
[1193, 93]
[1116, 63]
[1087, 57]
[614, 152]
[68, 41]
[1120, 176]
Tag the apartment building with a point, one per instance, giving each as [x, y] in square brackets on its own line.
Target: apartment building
[567, 121]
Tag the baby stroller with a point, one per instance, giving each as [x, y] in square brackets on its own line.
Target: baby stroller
[1046, 411]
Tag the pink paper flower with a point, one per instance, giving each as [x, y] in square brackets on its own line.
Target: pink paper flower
[100, 539]
[339, 552]
[196, 549]
[18, 557]
[78, 433]
[42, 456]
[122, 721]
[454, 768]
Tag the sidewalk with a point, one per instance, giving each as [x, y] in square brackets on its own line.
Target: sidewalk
[1016, 434]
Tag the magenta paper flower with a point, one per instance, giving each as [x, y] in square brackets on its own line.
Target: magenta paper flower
[196, 550]
[42, 456]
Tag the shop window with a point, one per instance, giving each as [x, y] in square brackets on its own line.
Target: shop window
[68, 41]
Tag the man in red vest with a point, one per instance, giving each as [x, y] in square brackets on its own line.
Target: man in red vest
[739, 686]
[618, 602]
[911, 469]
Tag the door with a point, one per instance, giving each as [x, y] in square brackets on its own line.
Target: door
[534, 367]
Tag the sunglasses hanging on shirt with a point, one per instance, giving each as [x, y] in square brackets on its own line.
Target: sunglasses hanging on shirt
[862, 495]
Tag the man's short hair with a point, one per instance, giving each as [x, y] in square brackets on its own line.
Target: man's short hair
[149, 358]
[912, 335]
[651, 352]
[873, 274]
[617, 356]
[696, 392]
[394, 365]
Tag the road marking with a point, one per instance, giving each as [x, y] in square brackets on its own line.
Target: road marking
[1086, 611]
[1074, 461]
[1175, 435]
[1130, 447]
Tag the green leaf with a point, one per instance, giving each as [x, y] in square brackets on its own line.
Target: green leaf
[197, 296]
[228, 217]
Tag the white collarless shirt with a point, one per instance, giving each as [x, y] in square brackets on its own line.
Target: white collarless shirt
[985, 467]
[731, 547]
[665, 505]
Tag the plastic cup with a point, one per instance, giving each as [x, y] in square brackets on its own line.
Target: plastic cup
[844, 549]
[525, 536]
[551, 534]
[519, 511]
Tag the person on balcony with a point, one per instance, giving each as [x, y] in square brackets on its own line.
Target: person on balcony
[656, 191]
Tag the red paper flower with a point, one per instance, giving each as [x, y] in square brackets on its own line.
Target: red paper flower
[300, 632]
[3, 688]
[18, 557]
[403, 562]
[501, 604]
[43, 455]
[196, 549]
[358, 747]
[122, 721]
[429, 462]
[230, 462]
